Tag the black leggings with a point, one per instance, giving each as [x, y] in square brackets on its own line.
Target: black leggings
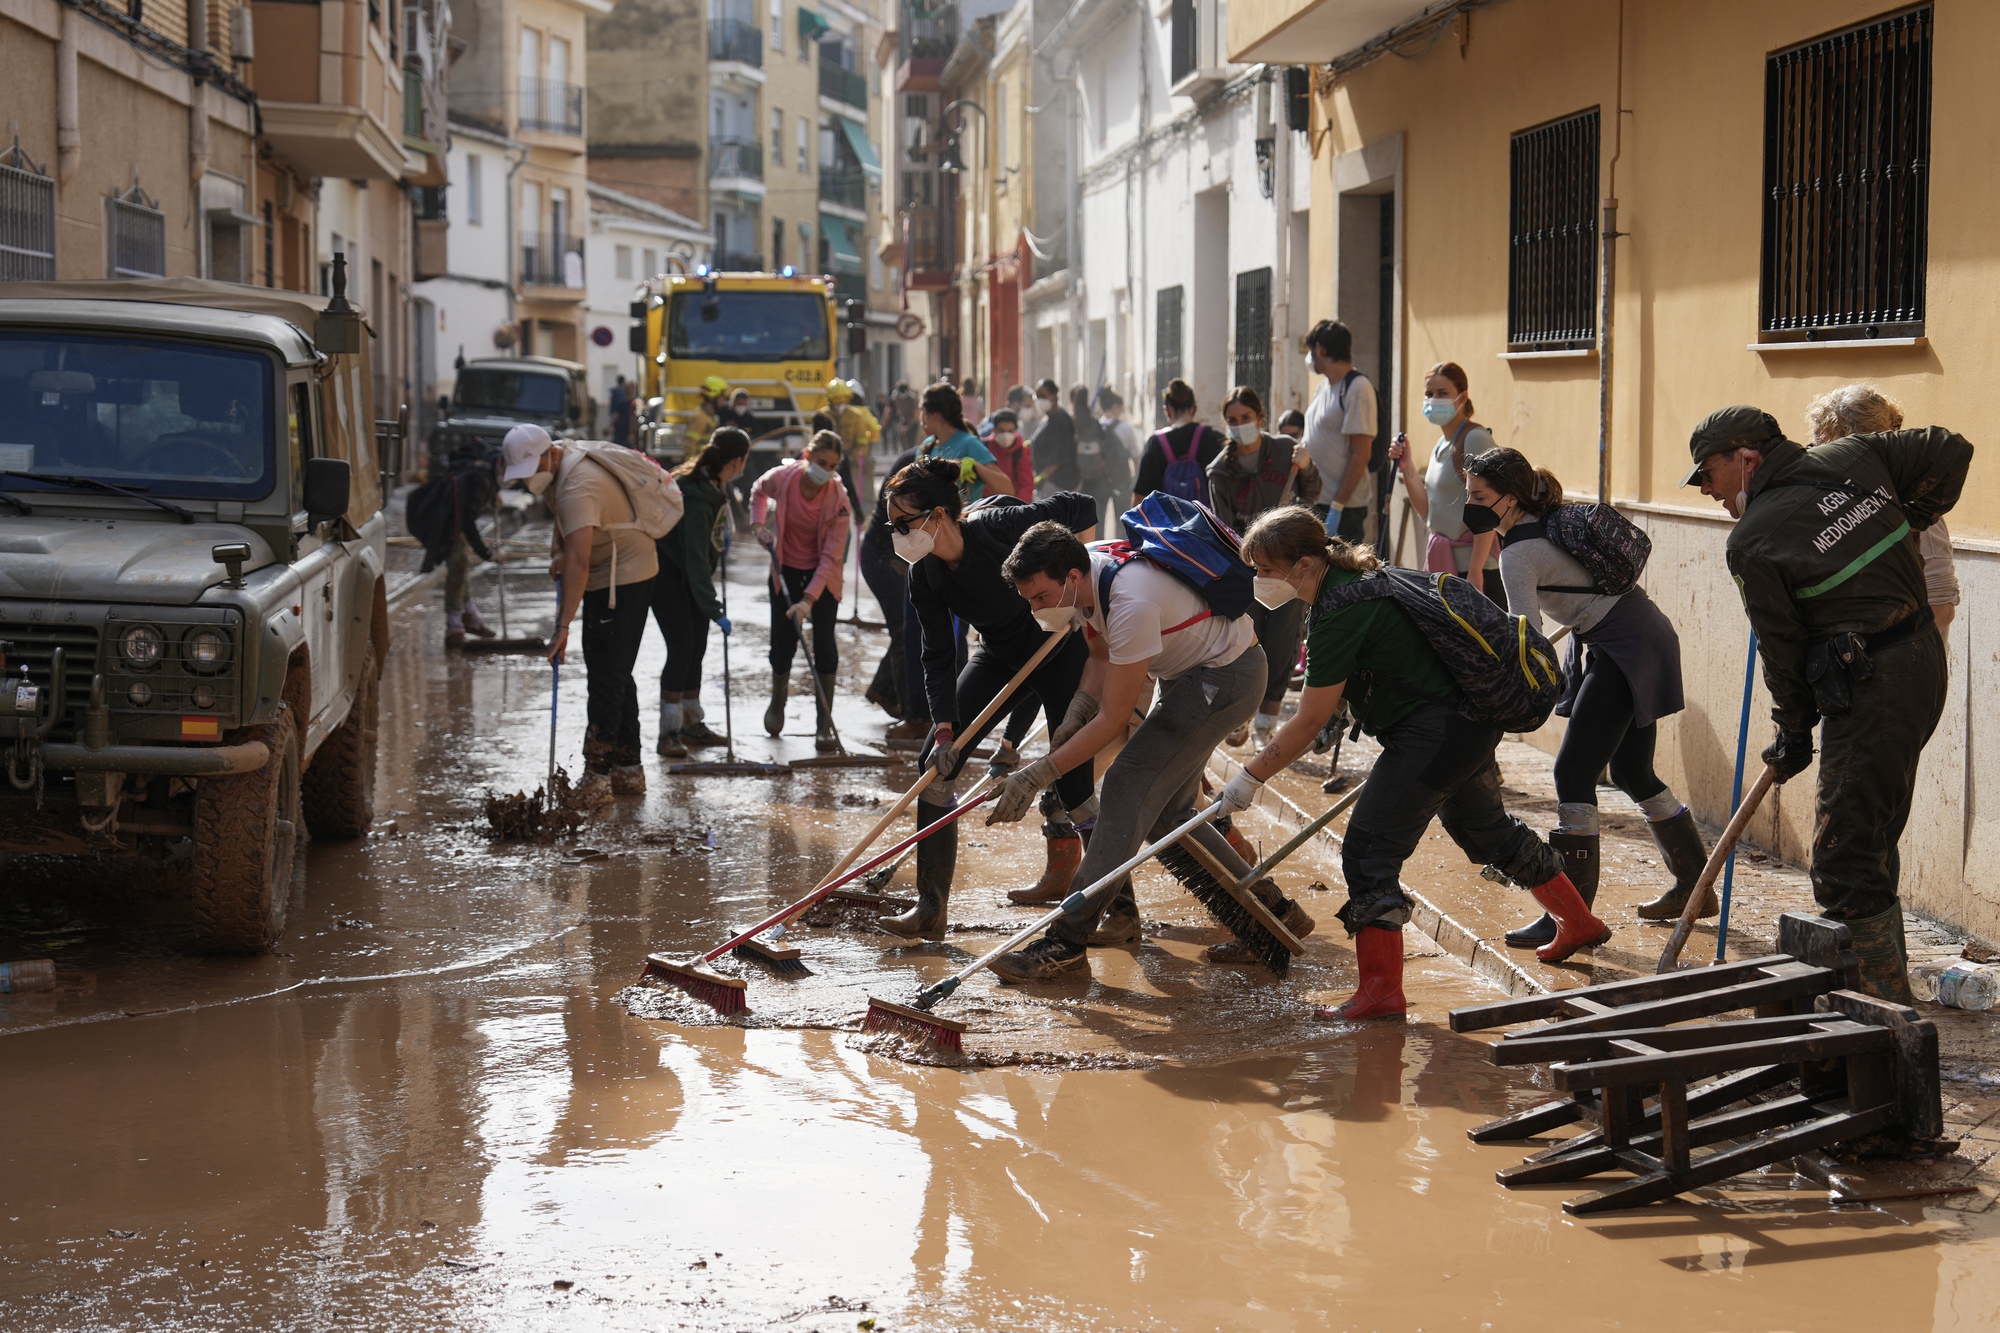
[684, 629]
[1049, 688]
[785, 638]
[1601, 732]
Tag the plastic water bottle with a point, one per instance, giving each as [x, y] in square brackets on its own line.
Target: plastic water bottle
[28, 974]
[1957, 983]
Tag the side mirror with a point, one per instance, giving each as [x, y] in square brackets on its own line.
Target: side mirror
[327, 481]
[231, 555]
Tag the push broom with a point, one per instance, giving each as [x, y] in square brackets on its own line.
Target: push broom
[731, 767]
[505, 643]
[840, 758]
[915, 1019]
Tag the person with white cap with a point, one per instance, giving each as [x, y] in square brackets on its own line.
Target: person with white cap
[604, 567]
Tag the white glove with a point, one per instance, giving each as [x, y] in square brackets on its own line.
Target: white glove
[1302, 457]
[1240, 793]
[1018, 792]
[1082, 708]
[798, 611]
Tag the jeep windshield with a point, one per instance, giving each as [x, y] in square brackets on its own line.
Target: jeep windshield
[537, 393]
[153, 415]
[748, 326]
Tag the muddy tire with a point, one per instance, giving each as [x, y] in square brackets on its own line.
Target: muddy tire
[340, 781]
[247, 836]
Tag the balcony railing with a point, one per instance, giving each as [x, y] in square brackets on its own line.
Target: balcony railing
[551, 107]
[928, 240]
[550, 260]
[845, 186]
[842, 85]
[736, 41]
[739, 261]
[740, 158]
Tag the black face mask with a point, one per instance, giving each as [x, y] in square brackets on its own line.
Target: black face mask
[1479, 519]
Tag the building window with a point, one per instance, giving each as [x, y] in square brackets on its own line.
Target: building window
[621, 262]
[1552, 235]
[1847, 136]
[1253, 332]
[27, 219]
[529, 78]
[777, 25]
[777, 243]
[475, 190]
[805, 133]
[137, 232]
[1185, 38]
[777, 139]
[1166, 336]
[650, 258]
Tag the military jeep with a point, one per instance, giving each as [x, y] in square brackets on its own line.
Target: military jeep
[495, 394]
[193, 613]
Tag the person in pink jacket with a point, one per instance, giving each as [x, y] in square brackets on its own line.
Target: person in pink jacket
[802, 518]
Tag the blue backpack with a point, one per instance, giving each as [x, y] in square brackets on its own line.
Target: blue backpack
[1187, 540]
[1185, 477]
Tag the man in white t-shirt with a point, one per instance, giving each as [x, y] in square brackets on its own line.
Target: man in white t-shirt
[1340, 432]
[1142, 623]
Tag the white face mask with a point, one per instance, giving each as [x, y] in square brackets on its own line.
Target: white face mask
[1272, 593]
[913, 545]
[539, 481]
[1053, 618]
[1247, 436]
[1003, 439]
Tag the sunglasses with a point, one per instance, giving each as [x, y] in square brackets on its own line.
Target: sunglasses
[901, 526]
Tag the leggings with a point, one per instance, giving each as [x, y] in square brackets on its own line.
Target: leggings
[684, 629]
[1601, 732]
[785, 639]
[1049, 688]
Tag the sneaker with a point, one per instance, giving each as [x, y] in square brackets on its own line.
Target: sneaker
[629, 780]
[1264, 726]
[697, 734]
[672, 745]
[1047, 959]
[593, 793]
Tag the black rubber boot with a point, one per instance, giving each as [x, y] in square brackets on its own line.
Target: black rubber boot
[1686, 856]
[937, 860]
[1883, 955]
[824, 738]
[774, 716]
[1579, 854]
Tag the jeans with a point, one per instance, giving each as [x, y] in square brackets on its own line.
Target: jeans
[458, 573]
[1050, 688]
[1435, 762]
[684, 629]
[611, 638]
[1151, 787]
[785, 637]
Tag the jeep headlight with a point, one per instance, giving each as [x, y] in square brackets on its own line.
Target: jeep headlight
[206, 650]
[141, 647]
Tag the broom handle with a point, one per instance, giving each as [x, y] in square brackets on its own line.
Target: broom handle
[1144, 854]
[1304, 835]
[930, 773]
[785, 914]
[1724, 845]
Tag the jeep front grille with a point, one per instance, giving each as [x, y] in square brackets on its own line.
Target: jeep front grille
[35, 644]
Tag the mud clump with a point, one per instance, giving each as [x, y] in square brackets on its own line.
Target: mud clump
[548, 813]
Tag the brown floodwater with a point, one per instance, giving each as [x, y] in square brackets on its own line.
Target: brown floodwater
[442, 1104]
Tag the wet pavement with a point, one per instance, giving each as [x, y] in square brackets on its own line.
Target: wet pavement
[436, 1108]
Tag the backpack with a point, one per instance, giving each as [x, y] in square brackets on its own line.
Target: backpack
[1188, 541]
[654, 496]
[1185, 478]
[1504, 668]
[1610, 547]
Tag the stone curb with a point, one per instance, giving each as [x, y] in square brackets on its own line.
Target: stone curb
[411, 585]
[1452, 936]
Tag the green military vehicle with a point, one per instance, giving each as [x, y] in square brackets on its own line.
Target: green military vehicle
[193, 611]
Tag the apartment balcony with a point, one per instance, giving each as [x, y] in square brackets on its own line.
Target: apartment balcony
[924, 44]
[738, 261]
[736, 166]
[551, 107]
[927, 249]
[732, 41]
[1308, 32]
[842, 85]
[550, 260]
[845, 187]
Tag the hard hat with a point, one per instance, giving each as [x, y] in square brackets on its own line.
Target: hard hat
[838, 392]
[715, 386]
[859, 392]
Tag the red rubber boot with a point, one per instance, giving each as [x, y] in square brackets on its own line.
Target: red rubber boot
[1380, 994]
[1576, 927]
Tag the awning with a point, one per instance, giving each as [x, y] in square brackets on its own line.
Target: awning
[811, 26]
[857, 139]
[839, 233]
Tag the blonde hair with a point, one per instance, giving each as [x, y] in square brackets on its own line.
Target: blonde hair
[1288, 535]
[1852, 409]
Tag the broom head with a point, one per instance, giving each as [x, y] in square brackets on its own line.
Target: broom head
[1230, 914]
[476, 647]
[942, 1034]
[781, 960]
[725, 995]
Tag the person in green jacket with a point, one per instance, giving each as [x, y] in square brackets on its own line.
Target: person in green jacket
[684, 595]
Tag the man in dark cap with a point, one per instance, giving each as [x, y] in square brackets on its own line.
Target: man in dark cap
[1825, 556]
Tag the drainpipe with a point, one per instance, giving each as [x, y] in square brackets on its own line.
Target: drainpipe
[69, 139]
[513, 255]
[1281, 266]
[197, 101]
[1607, 250]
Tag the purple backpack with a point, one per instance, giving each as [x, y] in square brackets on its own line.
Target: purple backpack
[1185, 478]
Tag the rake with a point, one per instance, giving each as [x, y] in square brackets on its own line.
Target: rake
[915, 1020]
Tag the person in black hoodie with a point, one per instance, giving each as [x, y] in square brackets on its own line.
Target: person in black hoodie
[443, 514]
[1175, 460]
[1055, 442]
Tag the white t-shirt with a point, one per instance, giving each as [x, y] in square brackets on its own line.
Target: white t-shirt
[1333, 415]
[1156, 618]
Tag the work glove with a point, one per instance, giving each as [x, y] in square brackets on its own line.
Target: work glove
[798, 611]
[765, 535]
[1082, 708]
[1302, 458]
[1005, 760]
[1240, 792]
[943, 757]
[722, 623]
[1018, 792]
[1789, 754]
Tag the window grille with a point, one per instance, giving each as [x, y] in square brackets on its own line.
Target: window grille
[1847, 128]
[1167, 336]
[138, 235]
[1185, 38]
[1253, 332]
[1552, 235]
[27, 219]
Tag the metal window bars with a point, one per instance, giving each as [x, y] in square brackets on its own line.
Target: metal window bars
[137, 232]
[1846, 163]
[1253, 333]
[27, 219]
[551, 106]
[1552, 235]
[1166, 336]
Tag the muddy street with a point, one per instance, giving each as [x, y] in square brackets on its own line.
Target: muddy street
[441, 1103]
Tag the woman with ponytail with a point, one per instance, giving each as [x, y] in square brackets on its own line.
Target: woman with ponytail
[1438, 495]
[1624, 674]
[947, 436]
[1435, 761]
[684, 596]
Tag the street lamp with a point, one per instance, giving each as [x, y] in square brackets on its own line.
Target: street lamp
[949, 162]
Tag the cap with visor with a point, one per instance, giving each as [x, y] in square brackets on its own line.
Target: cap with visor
[523, 449]
[1727, 429]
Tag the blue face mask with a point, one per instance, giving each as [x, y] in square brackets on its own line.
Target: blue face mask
[1440, 411]
[819, 475]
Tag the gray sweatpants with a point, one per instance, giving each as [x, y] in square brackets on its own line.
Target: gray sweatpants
[1152, 785]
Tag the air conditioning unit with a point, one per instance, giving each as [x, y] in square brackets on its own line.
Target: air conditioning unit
[1198, 48]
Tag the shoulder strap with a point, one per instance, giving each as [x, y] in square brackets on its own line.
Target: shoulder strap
[1340, 394]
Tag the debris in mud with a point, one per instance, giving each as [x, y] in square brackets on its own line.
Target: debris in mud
[543, 816]
[680, 844]
[1317, 887]
[116, 1234]
[855, 800]
[853, 910]
[562, 1284]
[350, 923]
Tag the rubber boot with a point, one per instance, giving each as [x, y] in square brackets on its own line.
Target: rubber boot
[1379, 950]
[1576, 928]
[1120, 922]
[1064, 845]
[1686, 856]
[774, 716]
[824, 739]
[475, 624]
[1579, 854]
[1883, 955]
[454, 629]
[937, 859]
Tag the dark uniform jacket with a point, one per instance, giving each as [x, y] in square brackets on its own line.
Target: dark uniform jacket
[1826, 546]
